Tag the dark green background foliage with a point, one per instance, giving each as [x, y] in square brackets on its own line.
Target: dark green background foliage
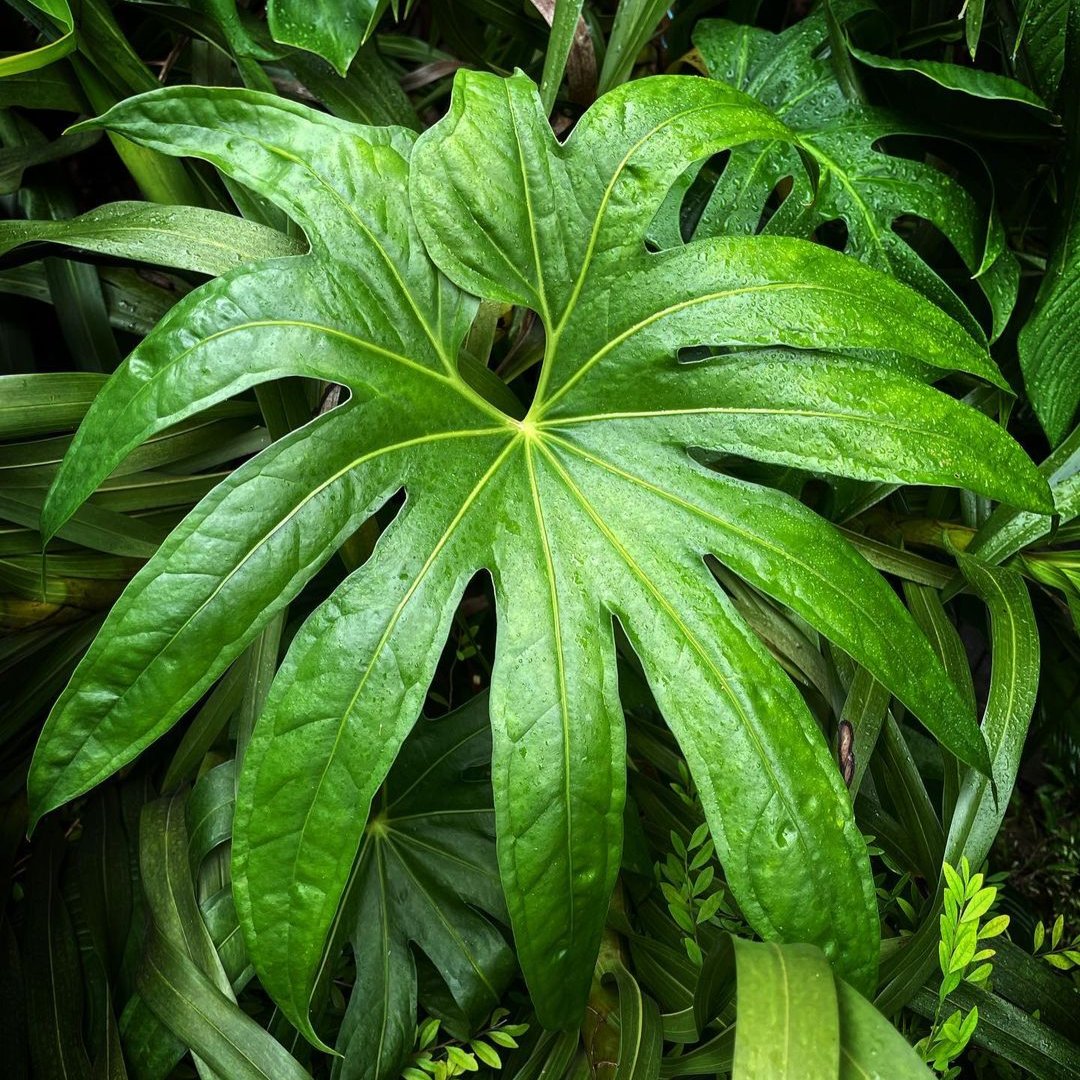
[539, 539]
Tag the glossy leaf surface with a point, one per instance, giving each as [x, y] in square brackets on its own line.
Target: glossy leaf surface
[858, 181]
[334, 29]
[186, 237]
[797, 1020]
[426, 871]
[589, 509]
[1048, 345]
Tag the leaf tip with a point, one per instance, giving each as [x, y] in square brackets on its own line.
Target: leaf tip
[94, 123]
[38, 802]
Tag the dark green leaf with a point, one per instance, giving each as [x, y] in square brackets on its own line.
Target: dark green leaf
[333, 29]
[1049, 343]
[41, 403]
[50, 961]
[856, 181]
[426, 874]
[967, 80]
[201, 1016]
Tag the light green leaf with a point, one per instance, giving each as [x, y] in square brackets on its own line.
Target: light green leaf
[60, 14]
[587, 510]
[184, 237]
[788, 1017]
[870, 1047]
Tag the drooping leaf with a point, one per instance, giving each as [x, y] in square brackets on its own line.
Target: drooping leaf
[60, 15]
[974, 11]
[967, 80]
[181, 976]
[788, 1019]
[795, 1018]
[333, 29]
[857, 182]
[870, 1047]
[74, 288]
[199, 1014]
[184, 237]
[1041, 36]
[587, 510]
[1014, 680]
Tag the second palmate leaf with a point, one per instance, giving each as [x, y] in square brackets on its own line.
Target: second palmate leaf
[585, 509]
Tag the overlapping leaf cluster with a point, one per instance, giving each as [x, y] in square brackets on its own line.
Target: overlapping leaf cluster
[708, 711]
[587, 508]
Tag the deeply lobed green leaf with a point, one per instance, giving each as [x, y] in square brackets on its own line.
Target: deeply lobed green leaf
[589, 510]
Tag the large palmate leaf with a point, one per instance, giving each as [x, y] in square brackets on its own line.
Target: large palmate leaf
[858, 181]
[425, 872]
[586, 510]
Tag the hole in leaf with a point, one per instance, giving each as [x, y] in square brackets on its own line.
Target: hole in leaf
[833, 234]
[464, 667]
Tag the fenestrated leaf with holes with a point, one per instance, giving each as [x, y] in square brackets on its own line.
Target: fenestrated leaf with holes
[858, 180]
[585, 509]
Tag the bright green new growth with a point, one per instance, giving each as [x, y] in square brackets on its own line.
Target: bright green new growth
[589, 509]
[961, 958]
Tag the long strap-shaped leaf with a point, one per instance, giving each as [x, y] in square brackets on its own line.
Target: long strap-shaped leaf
[796, 1021]
[186, 237]
[1014, 681]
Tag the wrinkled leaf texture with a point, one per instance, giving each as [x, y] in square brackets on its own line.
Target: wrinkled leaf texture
[589, 509]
